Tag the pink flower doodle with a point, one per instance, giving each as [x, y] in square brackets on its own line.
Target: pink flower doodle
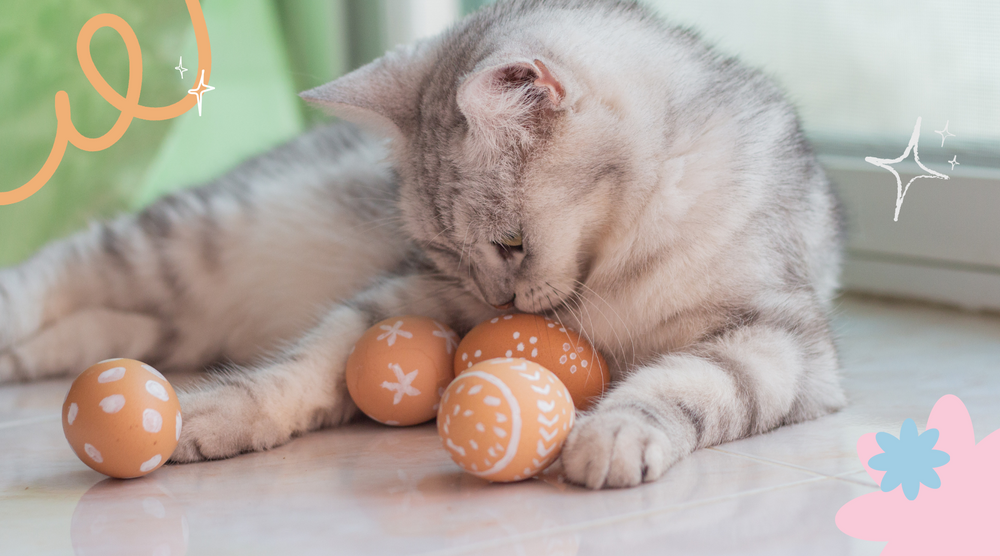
[959, 517]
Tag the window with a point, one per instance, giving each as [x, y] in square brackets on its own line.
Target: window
[861, 73]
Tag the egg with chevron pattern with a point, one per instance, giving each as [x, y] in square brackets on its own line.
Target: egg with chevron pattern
[505, 419]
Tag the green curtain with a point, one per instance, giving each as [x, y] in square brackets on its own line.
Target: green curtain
[38, 58]
[263, 52]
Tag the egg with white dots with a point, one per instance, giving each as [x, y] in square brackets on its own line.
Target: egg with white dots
[542, 340]
[122, 418]
[505, 419]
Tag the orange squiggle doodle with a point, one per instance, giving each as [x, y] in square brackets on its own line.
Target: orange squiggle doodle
[128, 105]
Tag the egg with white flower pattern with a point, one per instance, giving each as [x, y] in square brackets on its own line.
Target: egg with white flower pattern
[399, 368]
[505, 419]
[122, 418]
[542, 340]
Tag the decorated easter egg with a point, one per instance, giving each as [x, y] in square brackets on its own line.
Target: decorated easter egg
[122, 418]
[399, 369]
[546, 342]
[505, 419]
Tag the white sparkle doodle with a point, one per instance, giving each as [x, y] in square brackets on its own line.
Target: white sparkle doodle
[887, 164]
[944, 133]
[954, 162]
[392, 331]
[403, 385]
[201, 89]
[180, 67]
[450, 337]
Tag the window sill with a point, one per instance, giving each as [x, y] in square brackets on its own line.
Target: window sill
[945, 246]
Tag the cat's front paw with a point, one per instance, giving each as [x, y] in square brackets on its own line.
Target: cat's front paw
[616, 448]
[223, 422]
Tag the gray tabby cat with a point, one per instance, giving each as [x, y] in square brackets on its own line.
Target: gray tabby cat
[575, 158]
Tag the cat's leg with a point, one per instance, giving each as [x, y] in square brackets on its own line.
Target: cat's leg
[156, 286]
[742, 382]
[55, 315]
[302, 388]
[89, 335]
[225, 272]
[253, 409]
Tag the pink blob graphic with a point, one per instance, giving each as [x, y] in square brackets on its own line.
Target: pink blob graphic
[960, 517]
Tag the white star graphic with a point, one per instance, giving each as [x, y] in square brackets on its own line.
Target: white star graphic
[450, 337]
[944, 133]
[180, 67]
[403, 384]
[392, 331]
[954, 162]
[886, 163]
[201, 89]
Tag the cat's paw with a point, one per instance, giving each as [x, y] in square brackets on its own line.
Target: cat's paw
[223, 422]
[616, 448]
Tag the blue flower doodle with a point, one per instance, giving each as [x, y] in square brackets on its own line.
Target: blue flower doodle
[909, 460]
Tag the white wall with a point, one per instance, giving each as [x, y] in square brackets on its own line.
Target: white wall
[868, 67]
[409, 20]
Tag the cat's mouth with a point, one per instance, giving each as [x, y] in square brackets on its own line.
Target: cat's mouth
[505, 306]
[546, 300]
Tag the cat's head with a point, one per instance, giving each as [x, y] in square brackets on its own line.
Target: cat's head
[510, 158]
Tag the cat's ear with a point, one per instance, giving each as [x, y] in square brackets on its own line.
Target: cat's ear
[379, 95]
[511, 92]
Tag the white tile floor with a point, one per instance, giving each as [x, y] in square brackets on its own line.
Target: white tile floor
[367, 489]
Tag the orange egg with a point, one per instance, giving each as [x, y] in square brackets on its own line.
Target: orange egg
[399, 368]
[122, 418]
[505, 419]
[542, 340]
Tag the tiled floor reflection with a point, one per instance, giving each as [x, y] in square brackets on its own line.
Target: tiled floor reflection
[367, 489]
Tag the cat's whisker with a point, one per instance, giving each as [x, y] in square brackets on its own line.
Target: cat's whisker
[578, 302]
[623, 322]
[579, 320]
[431, 240]
[379, 223]
[463, 246]
[584, 308]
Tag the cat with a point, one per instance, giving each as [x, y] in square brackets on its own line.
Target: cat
[579, 159]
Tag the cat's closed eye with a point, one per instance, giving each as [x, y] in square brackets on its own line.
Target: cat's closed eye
[512, 239]
[510, 244]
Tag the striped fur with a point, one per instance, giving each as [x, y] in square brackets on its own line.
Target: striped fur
[669, 205]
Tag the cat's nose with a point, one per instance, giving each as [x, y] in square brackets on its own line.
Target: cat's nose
[507, 305]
